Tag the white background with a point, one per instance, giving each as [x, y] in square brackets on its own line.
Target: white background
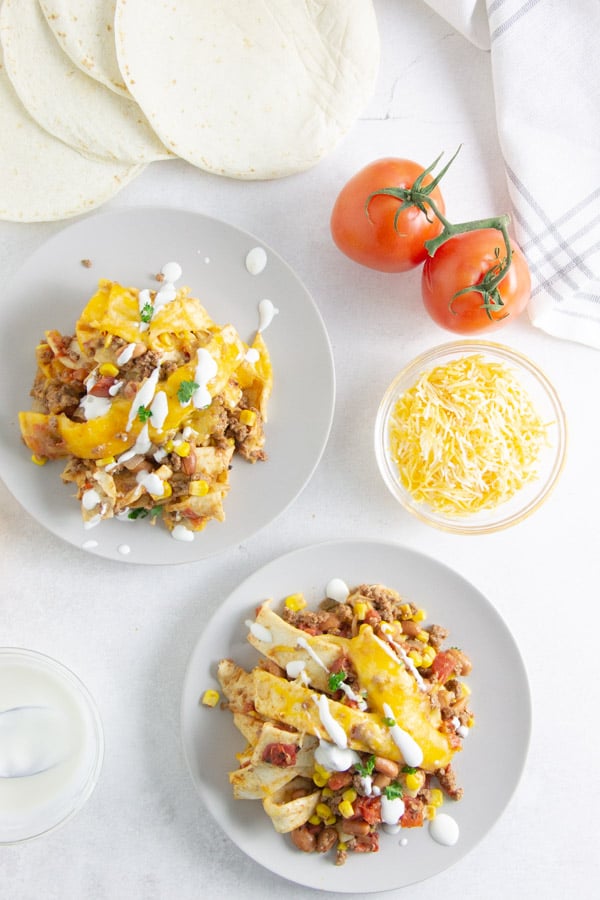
[128, 630]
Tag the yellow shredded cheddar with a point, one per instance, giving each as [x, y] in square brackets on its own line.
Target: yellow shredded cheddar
[466, 437]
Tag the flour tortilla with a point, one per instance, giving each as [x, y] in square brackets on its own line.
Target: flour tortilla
[43, 179]
[64, 101]
[249, 88]
[85, 31]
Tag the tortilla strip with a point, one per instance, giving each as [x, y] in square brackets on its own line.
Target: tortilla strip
[295, 705]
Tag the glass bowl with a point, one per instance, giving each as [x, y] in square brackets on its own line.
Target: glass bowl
[51, 744]
[549, 464]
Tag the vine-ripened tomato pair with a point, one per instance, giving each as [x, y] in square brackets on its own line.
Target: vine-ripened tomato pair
[391, 216]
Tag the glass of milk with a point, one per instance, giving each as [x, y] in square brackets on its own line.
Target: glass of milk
[51, 744]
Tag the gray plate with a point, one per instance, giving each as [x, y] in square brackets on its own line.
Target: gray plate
[130, 246]
[489, 767]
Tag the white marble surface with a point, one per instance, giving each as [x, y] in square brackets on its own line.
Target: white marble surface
[128, 630]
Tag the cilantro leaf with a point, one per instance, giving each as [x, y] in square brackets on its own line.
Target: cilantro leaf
[138, 513]
[156, 511]
[144, 413]
[335, 680]
[185, 391]
[389, 721]
[393, 791]
[409, 770]
[366, 769]
[146, 312]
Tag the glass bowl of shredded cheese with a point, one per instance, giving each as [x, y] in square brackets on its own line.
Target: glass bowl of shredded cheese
[471, 437]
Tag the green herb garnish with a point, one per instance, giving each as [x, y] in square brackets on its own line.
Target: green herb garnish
[146, 312]
[144, 413]
[387, 720]
[185, 391]
[155, 511]
[393, 791]
[335, 680]
[366, 769]
[409, 770]
[139, 513]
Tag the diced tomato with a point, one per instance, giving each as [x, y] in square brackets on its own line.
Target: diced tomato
[443, 666]
[368, 808]
[339, 780]
[413, 813]
[282, 755]
[367, 843]
[101, 388]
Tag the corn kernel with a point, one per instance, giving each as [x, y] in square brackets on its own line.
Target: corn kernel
[168, 446]
[323, 810]
[105, 461]
[406, 610]
[295, 602]
[38, 460]
[350, 795]
[428, 657]
[413, 781]
[319, 780]
[429, 811]
[198, 488]
[108, 369]
[466, 690]
[326, 792]
[419, 616]
[247, 417]
[423, 636]
[167, 491]
[436, 798]
[322, 771]
[315, 820]
[210, 698]
[330, 820]
[360, 610]
[342, 845]
[416, 657]
[182, 449]
[346, 809]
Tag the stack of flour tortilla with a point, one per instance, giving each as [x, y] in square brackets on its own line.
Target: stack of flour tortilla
[93, 91]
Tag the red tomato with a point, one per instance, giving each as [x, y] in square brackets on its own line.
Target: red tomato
[462, 261]
[371, 239]
[443, 666]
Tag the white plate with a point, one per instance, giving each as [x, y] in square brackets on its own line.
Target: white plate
[488, 768]
[130, 246]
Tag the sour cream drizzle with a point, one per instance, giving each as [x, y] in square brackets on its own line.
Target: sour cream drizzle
[266, 314]
[206, 369]
[143, 397]
[93, 407]
[406, 744]
[444, 829]
[181, 533]
[337, 590]
[125, 354]
[334, 758]
[159, 410]
[302, 642]
[259, 632]
[333, 728]
[392, 810]
[401, 652]
[141, 446]
[256, 260]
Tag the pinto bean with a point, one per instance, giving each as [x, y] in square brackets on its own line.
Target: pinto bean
[138, 350]
[381, 780]
[463, 663]
[410, 628]
[386, 766]
[188, 463]
[339, 780]
[355, 826]
[299, 792]
[304, 839]
[326, 839]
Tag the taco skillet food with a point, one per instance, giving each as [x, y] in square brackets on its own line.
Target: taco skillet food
[352, 719]
[148, 401]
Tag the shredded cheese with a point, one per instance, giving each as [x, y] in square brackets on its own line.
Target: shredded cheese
[466, 437]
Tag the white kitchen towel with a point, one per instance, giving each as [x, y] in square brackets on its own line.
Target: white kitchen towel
[545, 58]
